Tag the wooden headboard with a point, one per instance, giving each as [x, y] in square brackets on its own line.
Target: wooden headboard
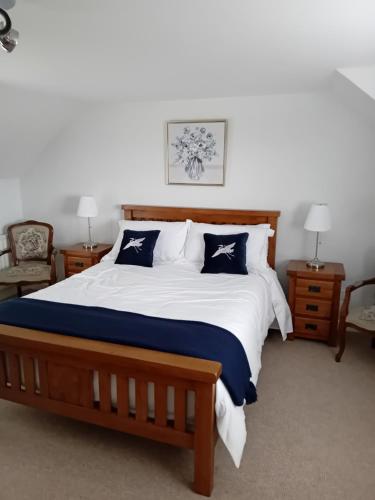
[209, 215]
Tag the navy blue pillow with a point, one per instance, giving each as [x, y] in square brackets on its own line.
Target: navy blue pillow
[225, 253]
[137, 248]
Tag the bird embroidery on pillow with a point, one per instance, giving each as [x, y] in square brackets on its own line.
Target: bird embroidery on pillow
[135, 243]
[226, 250]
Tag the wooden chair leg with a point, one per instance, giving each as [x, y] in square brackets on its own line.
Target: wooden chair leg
[19, 291]
[373, 342]
[342, 342]
[204, 441]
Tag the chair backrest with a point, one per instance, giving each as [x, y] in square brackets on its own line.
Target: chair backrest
[31, 240]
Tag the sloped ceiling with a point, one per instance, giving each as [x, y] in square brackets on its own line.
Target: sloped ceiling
[356, 87]
[29, 120]
[152, 49]
[363, 77]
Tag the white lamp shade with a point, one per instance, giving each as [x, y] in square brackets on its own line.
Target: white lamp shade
[87, 207]
[319, 218]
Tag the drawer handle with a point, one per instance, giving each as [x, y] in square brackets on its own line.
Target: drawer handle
[314, 288]
[79, 264]
[312, 307]
[311, 326]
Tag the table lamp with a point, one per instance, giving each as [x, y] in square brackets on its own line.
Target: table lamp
[87, 208]
[318, 219]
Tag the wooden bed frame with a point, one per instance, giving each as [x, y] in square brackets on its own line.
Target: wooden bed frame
[55, 372]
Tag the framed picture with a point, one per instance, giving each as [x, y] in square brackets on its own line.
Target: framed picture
[195, 152]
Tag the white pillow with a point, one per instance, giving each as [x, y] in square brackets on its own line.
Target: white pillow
[169, 245]
[256, 247]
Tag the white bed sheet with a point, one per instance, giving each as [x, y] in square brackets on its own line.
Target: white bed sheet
[244, 305]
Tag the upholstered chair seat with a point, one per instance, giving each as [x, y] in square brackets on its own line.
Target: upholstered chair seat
[32, 255]
[30, 272]
[357, 317]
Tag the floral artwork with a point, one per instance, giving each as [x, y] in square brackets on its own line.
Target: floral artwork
[196, 152]
[192, 147]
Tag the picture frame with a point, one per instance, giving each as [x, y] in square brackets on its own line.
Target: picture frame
[196, 152]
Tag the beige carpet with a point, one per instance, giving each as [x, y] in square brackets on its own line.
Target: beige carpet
[310, 436]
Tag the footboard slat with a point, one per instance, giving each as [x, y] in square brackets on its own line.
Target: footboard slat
[122, 396]
[15, 371]
[43, 377]
[161, 404]
[29, 374]
[105, 391]
[141, 401]
[3, 376]
[180, 409]
[87, 389]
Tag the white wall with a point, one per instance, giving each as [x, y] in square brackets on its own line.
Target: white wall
[284, 152]
[10, 202]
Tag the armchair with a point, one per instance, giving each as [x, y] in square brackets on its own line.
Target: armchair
[32, 255]
[353, 318]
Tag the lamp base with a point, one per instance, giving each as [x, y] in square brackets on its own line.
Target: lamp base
[89, 246]
[315, 264]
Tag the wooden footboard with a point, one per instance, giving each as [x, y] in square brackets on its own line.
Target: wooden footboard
[56, 373]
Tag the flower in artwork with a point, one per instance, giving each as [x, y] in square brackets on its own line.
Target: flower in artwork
[192, 148]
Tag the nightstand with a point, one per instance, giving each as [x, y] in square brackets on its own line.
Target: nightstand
[314, 300]
[77, 258]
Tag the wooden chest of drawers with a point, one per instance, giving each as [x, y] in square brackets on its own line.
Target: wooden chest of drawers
[77, 259]
[314, 299]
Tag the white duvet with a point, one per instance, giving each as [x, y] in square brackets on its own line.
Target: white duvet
[244, 305]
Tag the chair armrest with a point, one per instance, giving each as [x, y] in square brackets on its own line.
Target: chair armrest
[3, 252]
[360, 284]
[348, 291]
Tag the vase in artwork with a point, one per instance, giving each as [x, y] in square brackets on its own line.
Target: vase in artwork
[194, 168]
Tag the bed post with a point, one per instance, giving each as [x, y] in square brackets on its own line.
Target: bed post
[204, 439]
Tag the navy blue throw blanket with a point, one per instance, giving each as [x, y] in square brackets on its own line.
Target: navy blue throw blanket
[190, 338]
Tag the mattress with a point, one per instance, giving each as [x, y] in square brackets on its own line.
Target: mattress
[246, 305]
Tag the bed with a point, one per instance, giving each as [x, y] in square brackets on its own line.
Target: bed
[170, 398]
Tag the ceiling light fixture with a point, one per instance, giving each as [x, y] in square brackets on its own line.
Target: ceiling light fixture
[8, 36]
